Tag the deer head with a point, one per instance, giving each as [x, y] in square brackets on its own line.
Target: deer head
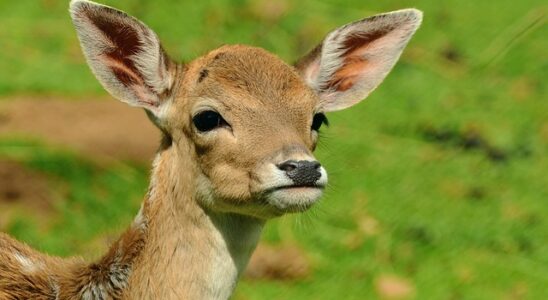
[244, 124]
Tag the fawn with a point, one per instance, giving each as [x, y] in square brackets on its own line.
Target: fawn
[239, 127]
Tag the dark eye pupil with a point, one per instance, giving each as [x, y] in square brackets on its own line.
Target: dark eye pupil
[318, 120]
[208, 120]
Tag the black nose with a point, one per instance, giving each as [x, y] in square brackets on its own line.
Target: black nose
[302, 172]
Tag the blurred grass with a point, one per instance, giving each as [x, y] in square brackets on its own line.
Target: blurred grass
[440, 176]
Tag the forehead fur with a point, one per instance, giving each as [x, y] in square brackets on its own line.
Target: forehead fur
[253, 72]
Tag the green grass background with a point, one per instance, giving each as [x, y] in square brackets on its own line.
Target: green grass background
[410, 196]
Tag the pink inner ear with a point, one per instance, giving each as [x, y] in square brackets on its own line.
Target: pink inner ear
[355, 63]
[358, 40]
[125, 42]
[124, 71]
[345, 78]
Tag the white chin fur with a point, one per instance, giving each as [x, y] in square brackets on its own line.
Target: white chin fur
[294, 199]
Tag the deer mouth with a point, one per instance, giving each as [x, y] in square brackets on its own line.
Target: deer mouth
[293, 198]
[297, 187]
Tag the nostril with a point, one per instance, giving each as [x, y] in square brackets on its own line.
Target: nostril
[302, 172]
[291, 165]
[288, 166]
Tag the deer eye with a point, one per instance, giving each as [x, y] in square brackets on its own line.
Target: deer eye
[208, 120]
[318, 120]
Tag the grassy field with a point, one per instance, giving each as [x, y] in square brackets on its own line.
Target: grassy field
[439, 179]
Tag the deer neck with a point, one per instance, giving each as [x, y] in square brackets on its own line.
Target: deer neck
[189, 252]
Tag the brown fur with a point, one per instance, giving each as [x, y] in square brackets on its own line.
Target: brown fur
[55, 278]
[232, 78]
[210, 192]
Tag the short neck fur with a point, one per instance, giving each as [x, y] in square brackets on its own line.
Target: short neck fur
[189, 252]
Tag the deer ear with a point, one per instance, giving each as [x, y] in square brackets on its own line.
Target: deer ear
[355, 58]
[124, 54]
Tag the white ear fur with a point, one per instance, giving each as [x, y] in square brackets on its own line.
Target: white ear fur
[355, 58]
[124, 54]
